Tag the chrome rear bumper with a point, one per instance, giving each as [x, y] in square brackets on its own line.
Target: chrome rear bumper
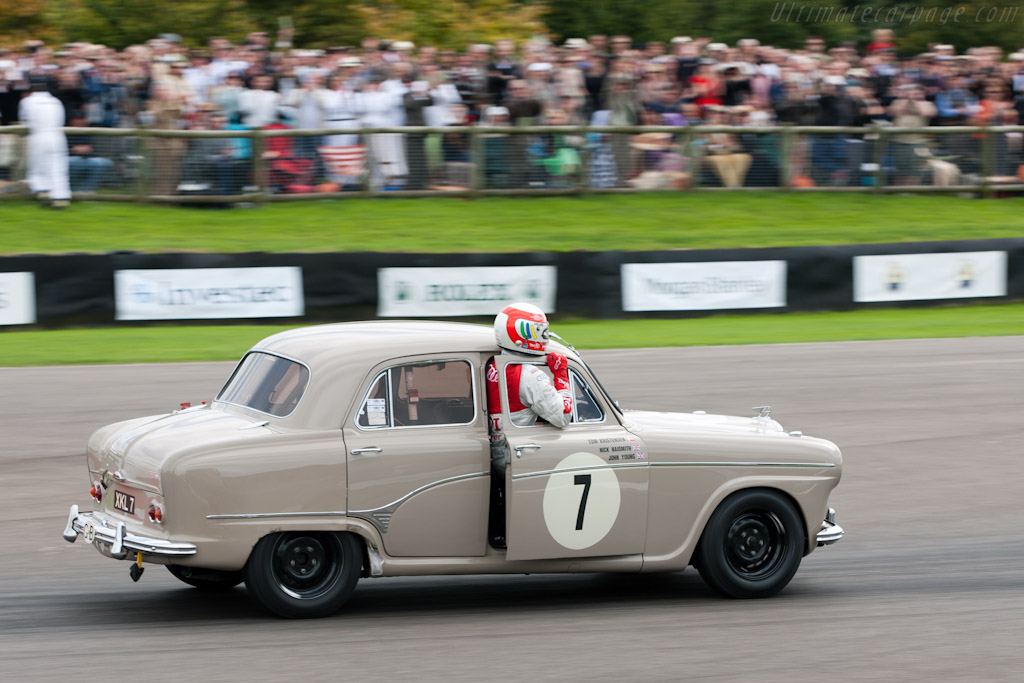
[830, 531]
[116, 540]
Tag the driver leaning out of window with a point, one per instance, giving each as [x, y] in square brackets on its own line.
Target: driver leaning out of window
[523, 328]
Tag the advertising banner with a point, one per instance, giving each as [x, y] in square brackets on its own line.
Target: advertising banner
[17, 299]
[208, 293]
[458, 291]
[713, 285]
[913, 277]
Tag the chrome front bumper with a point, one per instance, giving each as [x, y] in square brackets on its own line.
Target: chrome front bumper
[830, 531]
[116, 541]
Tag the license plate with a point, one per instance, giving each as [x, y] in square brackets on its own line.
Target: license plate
[124, 502]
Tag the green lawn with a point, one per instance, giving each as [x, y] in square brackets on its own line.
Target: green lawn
[627, 222]
[201, 343]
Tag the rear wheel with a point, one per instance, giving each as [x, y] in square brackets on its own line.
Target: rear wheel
[752, 545]
[304, 574]
[206, 579]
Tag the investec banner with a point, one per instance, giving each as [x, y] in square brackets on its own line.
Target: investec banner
[704, 286]
[912, 277]
[446, 292]
[208, 293]
[17, 298]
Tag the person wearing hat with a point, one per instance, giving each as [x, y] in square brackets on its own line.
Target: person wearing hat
[47, 145]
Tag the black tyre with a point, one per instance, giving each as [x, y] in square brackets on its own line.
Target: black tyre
[304, 574]
[206, 579]
[752, 545]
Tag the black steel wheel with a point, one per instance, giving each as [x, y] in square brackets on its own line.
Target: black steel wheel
[752, 545]
[206, 579]
[304, 574]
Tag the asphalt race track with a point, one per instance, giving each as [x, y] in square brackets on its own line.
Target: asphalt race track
[928, 584]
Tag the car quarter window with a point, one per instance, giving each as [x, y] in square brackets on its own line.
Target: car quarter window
[585, 407]
[267, 383]
[420, 395]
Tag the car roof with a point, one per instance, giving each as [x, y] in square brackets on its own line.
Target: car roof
[375, 341]
[381, 338]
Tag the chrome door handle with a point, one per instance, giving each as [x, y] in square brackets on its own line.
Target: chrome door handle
[519, 449]
[359, 451]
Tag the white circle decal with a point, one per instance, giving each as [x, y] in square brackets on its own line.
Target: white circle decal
[581, 504]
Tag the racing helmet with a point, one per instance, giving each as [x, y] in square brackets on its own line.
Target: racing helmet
[522, 328]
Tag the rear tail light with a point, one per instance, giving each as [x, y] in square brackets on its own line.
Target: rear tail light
[96, 492]
[155, 513]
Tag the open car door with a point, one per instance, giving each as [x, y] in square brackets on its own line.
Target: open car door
[574, 492]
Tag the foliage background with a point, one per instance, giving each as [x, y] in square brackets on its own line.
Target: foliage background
[457, 23]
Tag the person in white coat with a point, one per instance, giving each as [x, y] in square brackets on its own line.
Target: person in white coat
[388, 150]
[259, 106]
[47, 145]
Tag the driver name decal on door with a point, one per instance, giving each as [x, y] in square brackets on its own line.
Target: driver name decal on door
[581, 505]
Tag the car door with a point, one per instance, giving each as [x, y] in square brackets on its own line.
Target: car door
[574, 492]
[418, 456]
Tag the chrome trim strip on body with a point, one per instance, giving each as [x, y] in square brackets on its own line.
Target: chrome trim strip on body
[119, 538]
[124, 481]
[615, 466]
[381, 517]
[743, 464]
[412, 493]
[265, 515]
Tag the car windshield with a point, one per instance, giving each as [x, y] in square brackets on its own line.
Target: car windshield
[267, 383]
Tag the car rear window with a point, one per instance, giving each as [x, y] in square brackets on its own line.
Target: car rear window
[267, 383]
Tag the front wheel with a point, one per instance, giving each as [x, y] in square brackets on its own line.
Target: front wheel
[206, 579]
[304, 574]
[752, 545]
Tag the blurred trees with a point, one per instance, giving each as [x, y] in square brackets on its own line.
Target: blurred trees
[457, 23]
[125, 22]
[963, 24]
[23, 20]
[642, 20]
[452, 23]
[317, 23]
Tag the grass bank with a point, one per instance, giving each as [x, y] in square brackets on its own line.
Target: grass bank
[628, 222]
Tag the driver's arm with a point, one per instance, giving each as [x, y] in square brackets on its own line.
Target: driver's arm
[537, 392]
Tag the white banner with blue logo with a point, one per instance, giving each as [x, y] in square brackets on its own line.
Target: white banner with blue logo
[17, 298]
[916, 277]
[208, 293]
[458, 291]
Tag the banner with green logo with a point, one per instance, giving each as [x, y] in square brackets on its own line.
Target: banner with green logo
[450, 292]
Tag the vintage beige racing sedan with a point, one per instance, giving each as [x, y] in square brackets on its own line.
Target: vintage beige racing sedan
[361, 450]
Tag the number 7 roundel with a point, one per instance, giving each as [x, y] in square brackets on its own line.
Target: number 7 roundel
[581, 501]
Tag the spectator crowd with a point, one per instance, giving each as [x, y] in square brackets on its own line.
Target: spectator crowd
[603, 81]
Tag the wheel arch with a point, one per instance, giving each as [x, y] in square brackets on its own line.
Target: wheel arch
[783, 493]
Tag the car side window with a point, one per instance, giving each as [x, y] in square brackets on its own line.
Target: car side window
[420, 395]
[585, 407]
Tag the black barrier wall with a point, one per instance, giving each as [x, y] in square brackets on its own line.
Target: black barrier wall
[78, 289]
